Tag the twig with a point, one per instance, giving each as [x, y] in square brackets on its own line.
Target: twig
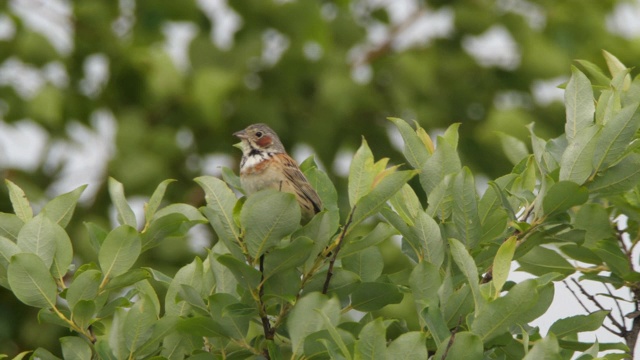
[325, 288]
[266, 325]
[617, 305]
[618, 333]
[451, 339]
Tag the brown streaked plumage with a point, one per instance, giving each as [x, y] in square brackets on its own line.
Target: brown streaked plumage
[266, 165]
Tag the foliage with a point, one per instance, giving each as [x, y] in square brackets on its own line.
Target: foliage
[273, 288]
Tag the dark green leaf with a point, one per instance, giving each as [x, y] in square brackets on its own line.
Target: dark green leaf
[497, 316]
[290, 256]
[371, 296]
[562, 196]
[465, 208]
[267, 217]
[578, 323]
[464, 345]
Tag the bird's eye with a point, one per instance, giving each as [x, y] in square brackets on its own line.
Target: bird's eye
[259, 134]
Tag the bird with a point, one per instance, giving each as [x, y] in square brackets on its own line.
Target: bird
[265, 164]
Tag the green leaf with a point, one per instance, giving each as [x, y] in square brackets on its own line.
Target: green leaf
[156, 198]
[128, 278]
[415, 150]
[539, 261]
[410, 345]
[190, 274]
[424, 282]
[126, 215]
[84, 287]
[60, 209]
[547, 349]
[360, 173]
[616, 67]
[619, 178]
[577, 161]
[219, 210]
[287, 257]
[31, 281]
[372, 342]
[514, 148]
[163, 327]
[502, 264]
[593, 218]
[233, 317]
[424, 236]
[562, 196]
[43, 354]
[406, 203]
[580, 108]
[352, 244]
[595, 72]
[465, 208]
[10, 226]
[374, 200]
[38, 236]
[64, 252]
[465, 345]
[192, 296]
[75, 348]
[119, 251]
[7, 249]
[371, 296]
[497, 316]
[609, 251]
[368, 264]
[138, 325]
[267, 217]
[305, 319]
[161, 228]
[321, 182]
[244, 274]
[616, 136]
[19, 201]
[578, 323]
[84, 312]
[96, 235]
[469, 270]
[444, 161]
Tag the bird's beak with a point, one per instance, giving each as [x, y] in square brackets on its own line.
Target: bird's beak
[240, 134]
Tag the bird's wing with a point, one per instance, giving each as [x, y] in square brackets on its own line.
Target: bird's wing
[302, 186]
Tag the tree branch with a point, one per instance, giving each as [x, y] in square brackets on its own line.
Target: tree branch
[325, 288]
[451, 339]
[266, 325]
[621, 329]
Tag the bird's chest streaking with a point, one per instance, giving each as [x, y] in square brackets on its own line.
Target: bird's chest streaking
[258, 173]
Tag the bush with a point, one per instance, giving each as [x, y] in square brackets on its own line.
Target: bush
[271, 288]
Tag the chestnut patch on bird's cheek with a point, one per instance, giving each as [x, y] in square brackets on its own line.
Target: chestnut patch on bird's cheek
[264, 141]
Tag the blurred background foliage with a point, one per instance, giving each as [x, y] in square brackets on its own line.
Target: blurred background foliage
[149, 90]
